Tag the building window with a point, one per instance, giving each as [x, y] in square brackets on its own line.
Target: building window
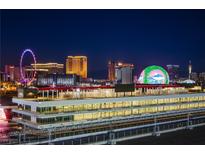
[28, 107]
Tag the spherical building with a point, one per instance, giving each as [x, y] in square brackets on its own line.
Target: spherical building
[154, 75]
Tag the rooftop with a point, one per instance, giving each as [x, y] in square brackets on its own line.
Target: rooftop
[108, 87]
[53, 102]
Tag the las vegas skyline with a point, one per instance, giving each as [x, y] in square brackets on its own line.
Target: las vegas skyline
[141, 37]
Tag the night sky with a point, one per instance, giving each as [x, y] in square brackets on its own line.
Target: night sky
[141, 37]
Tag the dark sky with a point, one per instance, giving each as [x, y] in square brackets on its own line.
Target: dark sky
[141, 37]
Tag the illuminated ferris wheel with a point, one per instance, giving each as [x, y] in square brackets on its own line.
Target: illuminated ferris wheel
[31, 76]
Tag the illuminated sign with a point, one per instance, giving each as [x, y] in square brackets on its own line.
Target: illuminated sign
[154, 75]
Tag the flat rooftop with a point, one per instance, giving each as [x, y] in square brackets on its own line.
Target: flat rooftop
[108, 87]
[56, 102]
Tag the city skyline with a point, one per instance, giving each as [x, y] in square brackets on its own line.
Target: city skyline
[151, 37]
[103, 77]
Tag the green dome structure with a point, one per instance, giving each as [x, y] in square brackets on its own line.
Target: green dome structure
[154, 75]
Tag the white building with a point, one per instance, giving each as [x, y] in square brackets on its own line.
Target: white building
[41, 114]
[124, 73]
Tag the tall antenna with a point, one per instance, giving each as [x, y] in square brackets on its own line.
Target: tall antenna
[190, 69]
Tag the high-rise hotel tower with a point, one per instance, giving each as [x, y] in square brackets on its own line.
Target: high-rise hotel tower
[77, 65]
[119, 72]
[111, 70]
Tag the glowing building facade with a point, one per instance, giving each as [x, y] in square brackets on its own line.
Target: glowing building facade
[57, 80]
[9, 70]
[154, 75]
[49, 68]
[77, 65]
[111, 71]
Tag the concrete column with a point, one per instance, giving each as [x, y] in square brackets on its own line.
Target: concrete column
[57, 93]
[33, 119]
[33, 108]
[52, 93]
